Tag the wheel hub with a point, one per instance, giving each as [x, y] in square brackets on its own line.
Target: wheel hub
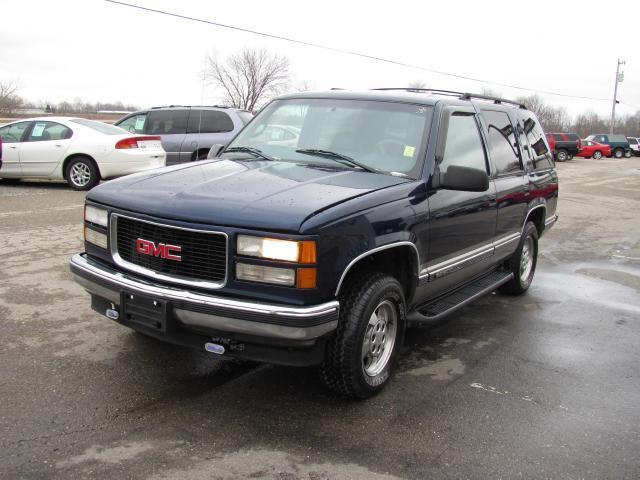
[379, 338]
[80, 174]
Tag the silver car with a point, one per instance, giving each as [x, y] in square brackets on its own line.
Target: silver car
[187, 132]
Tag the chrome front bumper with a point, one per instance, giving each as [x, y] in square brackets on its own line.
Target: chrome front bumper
[201, 310]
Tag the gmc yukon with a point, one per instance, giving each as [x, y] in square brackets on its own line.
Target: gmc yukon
[381, 209]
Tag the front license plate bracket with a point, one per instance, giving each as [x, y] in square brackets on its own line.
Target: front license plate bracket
[145, 311]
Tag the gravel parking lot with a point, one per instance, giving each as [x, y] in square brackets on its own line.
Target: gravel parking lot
[541, 386]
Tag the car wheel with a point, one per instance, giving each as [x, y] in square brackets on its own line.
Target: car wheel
[523, 262]
[82, 173]
[562, 155]
[597, 154]
[618, 153]
[361, 355]
[627, 154]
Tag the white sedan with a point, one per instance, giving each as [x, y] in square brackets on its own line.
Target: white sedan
[77, 150]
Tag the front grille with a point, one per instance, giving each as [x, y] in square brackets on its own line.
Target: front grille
[204, 254]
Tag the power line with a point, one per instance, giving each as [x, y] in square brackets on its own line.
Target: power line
[350, 52]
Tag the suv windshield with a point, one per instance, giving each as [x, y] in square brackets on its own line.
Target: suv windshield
[383, 136]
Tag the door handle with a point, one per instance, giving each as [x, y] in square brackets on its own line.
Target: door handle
[13, 147]
[58, 145]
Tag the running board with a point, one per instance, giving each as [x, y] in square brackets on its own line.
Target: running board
[443, 306]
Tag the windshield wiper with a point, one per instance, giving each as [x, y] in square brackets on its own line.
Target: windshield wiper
[339, 157]
[253, 151]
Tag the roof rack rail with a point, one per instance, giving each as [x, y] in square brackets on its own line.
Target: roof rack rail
[432, 90]
[189, 106]
[498, 100]
[461, 95]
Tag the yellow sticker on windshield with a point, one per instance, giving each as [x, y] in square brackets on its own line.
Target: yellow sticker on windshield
[409, 151]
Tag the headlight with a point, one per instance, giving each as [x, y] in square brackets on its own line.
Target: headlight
[98, 216]
[277, 249]
[95, 237]
[264, 274]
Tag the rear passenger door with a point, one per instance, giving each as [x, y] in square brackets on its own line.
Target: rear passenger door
[205, 127]
[171, 125]
[511, 182]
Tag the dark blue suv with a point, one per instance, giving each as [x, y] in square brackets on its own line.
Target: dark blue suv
[325, 227]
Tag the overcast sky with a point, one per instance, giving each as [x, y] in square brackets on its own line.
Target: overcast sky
[96, 50]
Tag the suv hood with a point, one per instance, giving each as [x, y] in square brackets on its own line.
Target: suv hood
[268, 195]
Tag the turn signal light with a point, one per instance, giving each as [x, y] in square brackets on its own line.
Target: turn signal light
[307, 278]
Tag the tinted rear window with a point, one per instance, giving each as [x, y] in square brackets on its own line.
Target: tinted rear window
[209, 121]
[573, 137]
[633, 141]
[167, 122]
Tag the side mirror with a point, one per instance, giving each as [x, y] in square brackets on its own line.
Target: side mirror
[215, 150]
[465, 179]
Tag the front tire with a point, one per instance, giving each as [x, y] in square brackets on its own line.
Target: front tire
[523, 262]
[597, 155]
[82, 174]
[361, 356]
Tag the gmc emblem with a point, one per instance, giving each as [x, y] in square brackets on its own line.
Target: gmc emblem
[162, 250]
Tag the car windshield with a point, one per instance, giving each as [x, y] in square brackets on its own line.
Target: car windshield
[381, 137]
[100, 127]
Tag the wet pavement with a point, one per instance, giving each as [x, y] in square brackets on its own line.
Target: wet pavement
[541, 386]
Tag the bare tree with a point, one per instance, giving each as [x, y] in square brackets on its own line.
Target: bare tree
[250, 77]
[10, 101]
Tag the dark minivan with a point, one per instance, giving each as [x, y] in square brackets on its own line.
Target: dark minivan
[187, 132]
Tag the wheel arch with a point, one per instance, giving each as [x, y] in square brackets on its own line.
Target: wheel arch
[537, 215]
[73, 156]
[399, 259]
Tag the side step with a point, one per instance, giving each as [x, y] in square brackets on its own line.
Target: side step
[448, 304]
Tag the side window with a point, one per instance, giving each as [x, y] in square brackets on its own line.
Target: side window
[13, 133]
[44, 131]
[601, 139]
[463, 145]
[209, 121]
[538, 149]
[502, 141]
[167, 122]
[557, 137]
[134, 124]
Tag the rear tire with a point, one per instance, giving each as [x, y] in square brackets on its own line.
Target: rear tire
[562, 155]
[523, 262]
[618, 153]
[361, 355]
[82, 174]
[597, 155]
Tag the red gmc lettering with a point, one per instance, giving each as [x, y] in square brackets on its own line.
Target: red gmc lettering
[162, 250]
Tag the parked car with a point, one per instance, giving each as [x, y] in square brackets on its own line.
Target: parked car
[187, 133]
[393, 207]
[77, 150]
[618, 143]
[634, 144]
[594, 149]
[564, 145]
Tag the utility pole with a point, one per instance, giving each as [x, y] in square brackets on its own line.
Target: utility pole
[619, 79]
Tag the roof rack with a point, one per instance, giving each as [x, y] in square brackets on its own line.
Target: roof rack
[189, 106]
[498, 100]
[431, 90]
[460, 95]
